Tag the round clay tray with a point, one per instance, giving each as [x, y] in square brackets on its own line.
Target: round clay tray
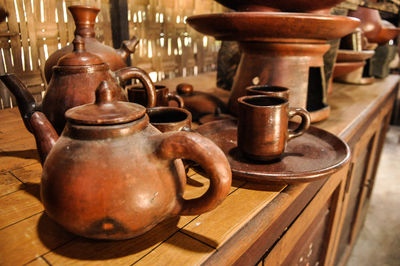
[385, 35]
[344, 68]
[312, 156]
[353, 56]
[284, 5]
[273, 26]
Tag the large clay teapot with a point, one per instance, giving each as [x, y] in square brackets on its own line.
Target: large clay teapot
[73, 83]
[85, 18]
[112, 175]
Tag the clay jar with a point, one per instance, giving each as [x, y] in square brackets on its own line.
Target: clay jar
[274, 91]
[263, 126]
[84, 18]
[138, 94]
[112, 175]
[168, 119]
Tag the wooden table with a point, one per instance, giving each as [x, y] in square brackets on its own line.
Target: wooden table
[242, 229]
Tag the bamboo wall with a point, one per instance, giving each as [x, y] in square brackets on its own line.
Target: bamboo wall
[168, 48]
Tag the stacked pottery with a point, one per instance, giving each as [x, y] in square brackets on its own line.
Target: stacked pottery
[380, 32]
[278, 48]
[84, 18]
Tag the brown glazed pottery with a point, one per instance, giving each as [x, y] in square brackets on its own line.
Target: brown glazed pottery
[284, 5]
[343, 68]
[112, 175]
[277, 48]
[388, 32]
[138, 94]
[73, 83]
[273, 26]
[199, 103]
[274, 91]
[85, 18]
[168, 119]
[313, 156]
[353, 56]
[263, 126]
[371, 23]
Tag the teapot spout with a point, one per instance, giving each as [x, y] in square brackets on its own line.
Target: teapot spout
[45, 134]
[127, 48]
[26, 103]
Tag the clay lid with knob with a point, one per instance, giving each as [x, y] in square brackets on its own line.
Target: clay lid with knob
[79, 56]
[106, 110]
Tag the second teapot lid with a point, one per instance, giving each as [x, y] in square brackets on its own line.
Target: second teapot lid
[106, 110]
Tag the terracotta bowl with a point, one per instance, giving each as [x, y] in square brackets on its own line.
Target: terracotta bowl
[282, 5]
[273, 26]
[343, 68]
[371, 22]
[387, 33]
[353, 56]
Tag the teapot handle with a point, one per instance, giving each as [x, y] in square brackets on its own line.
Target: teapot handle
[192, 146]
[128, 73]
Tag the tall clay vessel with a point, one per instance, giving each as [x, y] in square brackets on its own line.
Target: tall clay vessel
[85, 17]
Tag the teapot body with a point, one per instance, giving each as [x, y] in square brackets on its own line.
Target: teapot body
[99, 186]
[72, 86]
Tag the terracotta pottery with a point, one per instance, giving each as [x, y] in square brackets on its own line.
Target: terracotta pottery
[199, 103]
[111, 175]
[73, 83]
[277, 48]
[286, 5]
[274, 91]
[344, 68]
[168, 119]
[387, 33]
[371, 23]
[138, 94]
[85, 18]
[353, 56]
[263, 126]
[314, 155]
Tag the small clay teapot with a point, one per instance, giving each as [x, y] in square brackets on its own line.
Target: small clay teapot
[112, 175]
[73, 83]
[85, 18]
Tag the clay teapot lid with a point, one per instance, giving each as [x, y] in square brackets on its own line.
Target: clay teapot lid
[79, 56]
[106, 110]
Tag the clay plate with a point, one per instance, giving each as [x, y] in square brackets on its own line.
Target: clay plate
[273, 26]
[284, 5]
[344, 68]
[312, 156]
[353, 56]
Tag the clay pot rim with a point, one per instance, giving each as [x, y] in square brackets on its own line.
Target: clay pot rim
[282, 101]
[269, 88]
[171, 108]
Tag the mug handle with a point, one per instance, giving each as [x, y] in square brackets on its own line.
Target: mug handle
[192, 146]
[178, 99]
[304, 125]
[128, 73]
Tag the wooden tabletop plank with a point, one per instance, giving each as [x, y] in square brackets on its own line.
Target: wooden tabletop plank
[38, 262]
[81, 251]
[29, 238]
[18, 205]
[30, 174]
[235, 211]
[8, 183]
[180, 249]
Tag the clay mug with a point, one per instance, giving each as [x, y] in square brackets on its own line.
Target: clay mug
[274, 91]
[168, 119]
[138, 94]
[263, 126]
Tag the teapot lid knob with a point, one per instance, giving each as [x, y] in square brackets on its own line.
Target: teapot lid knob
[105, 94]
[106, 110]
